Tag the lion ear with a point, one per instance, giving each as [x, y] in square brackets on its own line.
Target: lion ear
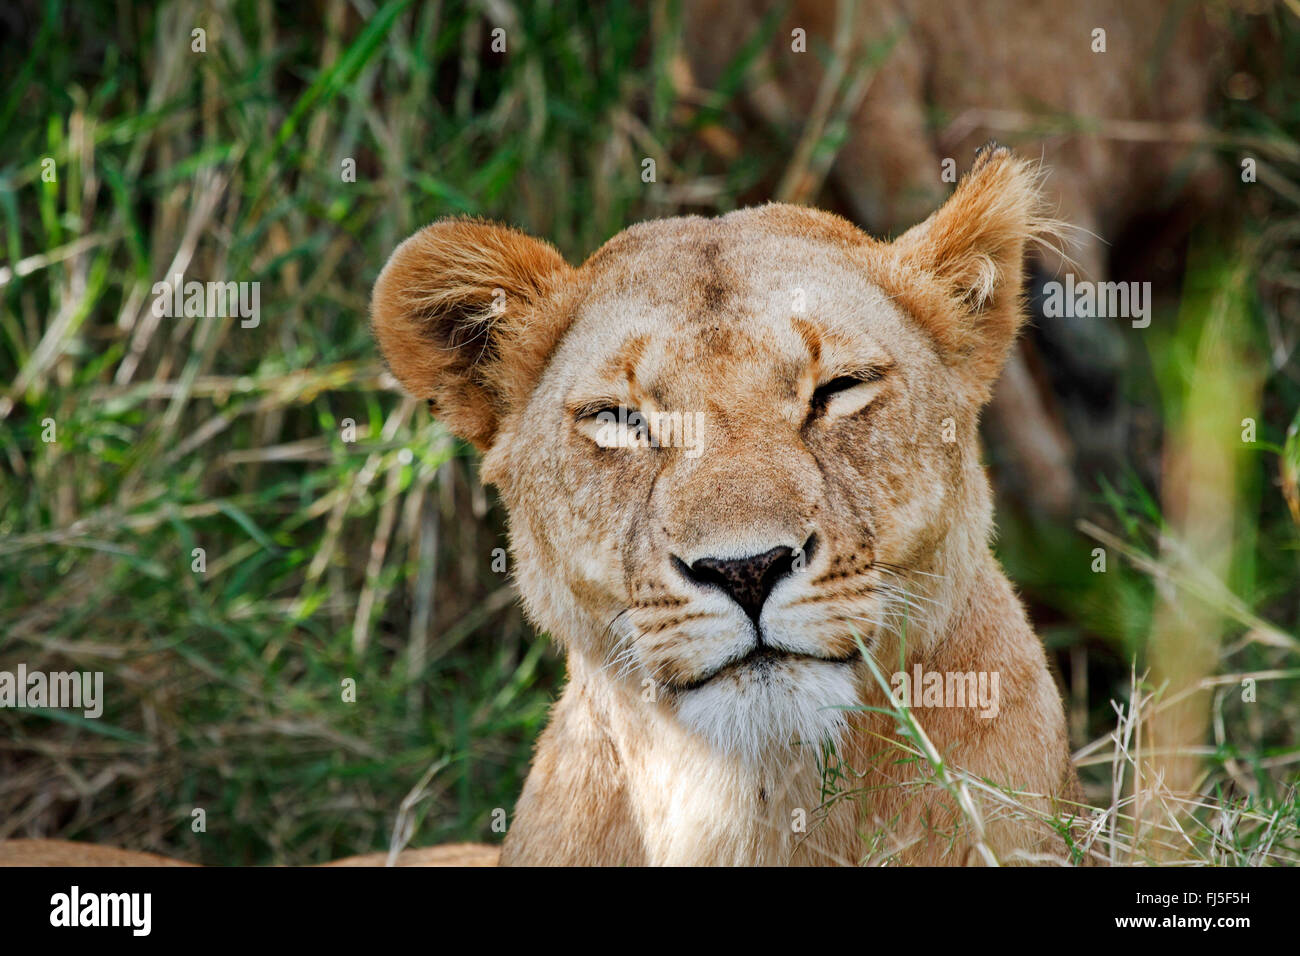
[972, 249]
[459, 315]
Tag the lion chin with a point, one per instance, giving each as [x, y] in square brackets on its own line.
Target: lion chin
[760, 708]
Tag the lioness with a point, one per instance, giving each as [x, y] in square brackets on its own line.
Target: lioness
[730, 450]
[1114, 96]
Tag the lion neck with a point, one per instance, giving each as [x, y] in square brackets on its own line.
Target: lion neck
[695, 805]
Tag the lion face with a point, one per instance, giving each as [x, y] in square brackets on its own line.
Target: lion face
[737, 449]
[732, 450]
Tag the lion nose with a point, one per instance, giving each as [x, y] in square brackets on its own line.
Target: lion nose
[748, 581]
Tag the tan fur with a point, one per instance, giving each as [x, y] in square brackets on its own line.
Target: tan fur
[65, 853]
[739, 318]
[947, 78]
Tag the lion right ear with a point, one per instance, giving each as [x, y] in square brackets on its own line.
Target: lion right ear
[458, 314]
[972, 251]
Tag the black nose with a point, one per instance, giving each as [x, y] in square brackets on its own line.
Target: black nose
[747, 580]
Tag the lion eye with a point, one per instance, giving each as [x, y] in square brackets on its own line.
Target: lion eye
[823, 394]
[826, 393]
[616, 426]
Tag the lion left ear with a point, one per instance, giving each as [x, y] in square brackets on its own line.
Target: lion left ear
[460, 314]
[972, 249]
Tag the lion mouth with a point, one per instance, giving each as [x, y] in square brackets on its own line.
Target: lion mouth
[760, 659]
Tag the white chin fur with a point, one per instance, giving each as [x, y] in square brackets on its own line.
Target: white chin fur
[757, 714]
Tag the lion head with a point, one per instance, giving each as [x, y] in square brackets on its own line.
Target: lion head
[730, 449]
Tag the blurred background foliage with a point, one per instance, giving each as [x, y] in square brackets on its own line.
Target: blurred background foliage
[372, 559]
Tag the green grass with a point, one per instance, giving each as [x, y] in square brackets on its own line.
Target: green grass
[371, 559]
